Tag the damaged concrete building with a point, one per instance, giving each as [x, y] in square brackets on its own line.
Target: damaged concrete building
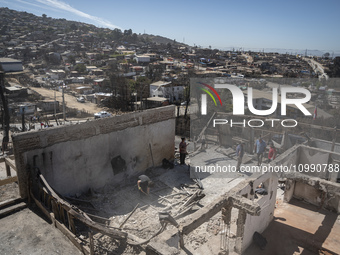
[90, 155]
[83, 178]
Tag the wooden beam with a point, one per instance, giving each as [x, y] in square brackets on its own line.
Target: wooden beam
[11, 163]
[205, 127]
[98, 218]
[8, 180]
[110, 232]
[42, 208]
[10, 157]
[128, 217]
[91, 243]
[67, 206]
[8, 171]
[71, 223]
[73, 238]
[10, 201]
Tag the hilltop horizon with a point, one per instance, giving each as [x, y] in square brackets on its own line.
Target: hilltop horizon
[165, 40]
[248, 25]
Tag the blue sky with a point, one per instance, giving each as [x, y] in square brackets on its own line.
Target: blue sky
[288, 24]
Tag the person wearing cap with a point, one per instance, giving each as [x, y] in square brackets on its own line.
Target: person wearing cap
[239, 155]
[182, 151]
[144, 184]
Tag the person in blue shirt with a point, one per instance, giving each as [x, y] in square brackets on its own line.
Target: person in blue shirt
[239, 155]
[259, 149]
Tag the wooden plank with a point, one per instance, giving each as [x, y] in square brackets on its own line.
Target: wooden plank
[10, 157]
[71, 223]
[42, 207]
[110, 232]
[8, 171]
[99, 219]
[79, 201]
[11, 163]
[128, 217]
[205, 127]
[55, 209]
[62, 214]
[73, 238]
[91, 243]
[8, 180]
[11, 209]
[67, 206]
[10, 201]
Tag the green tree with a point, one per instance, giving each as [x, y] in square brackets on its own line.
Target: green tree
[128, 32]
[72, 59]
[142, 87]
[73, 27]
[117, 34]
[335, 68]
[80, 68]
[121, 93]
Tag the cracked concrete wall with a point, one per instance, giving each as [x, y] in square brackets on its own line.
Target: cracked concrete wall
[301, 158]
[314, 190]
[78, 157]
[308, 193]
[289, 190]
[313, 158]
[325, 145]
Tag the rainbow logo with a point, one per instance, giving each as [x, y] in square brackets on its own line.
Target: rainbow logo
[209, 93]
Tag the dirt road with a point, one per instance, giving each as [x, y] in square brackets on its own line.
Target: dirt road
[71, 101]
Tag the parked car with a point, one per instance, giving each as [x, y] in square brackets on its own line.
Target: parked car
[102, 114]
[81, 99]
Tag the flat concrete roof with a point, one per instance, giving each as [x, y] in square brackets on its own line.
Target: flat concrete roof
[160, 83]
[158, 99]
[9, 60]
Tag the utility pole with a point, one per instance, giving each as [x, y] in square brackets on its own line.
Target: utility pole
[5, 139]
[55, 110]
[23, 120]
[55, 107]
[64, 116]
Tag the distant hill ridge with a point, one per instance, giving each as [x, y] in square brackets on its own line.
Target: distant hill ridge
[8, 16]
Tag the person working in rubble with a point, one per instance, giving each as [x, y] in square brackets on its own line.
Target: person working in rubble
[272, 153]
[239, 155]
[144, 184]
[259, 148]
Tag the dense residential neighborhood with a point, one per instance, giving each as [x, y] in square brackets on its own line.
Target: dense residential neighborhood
[124, 71]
